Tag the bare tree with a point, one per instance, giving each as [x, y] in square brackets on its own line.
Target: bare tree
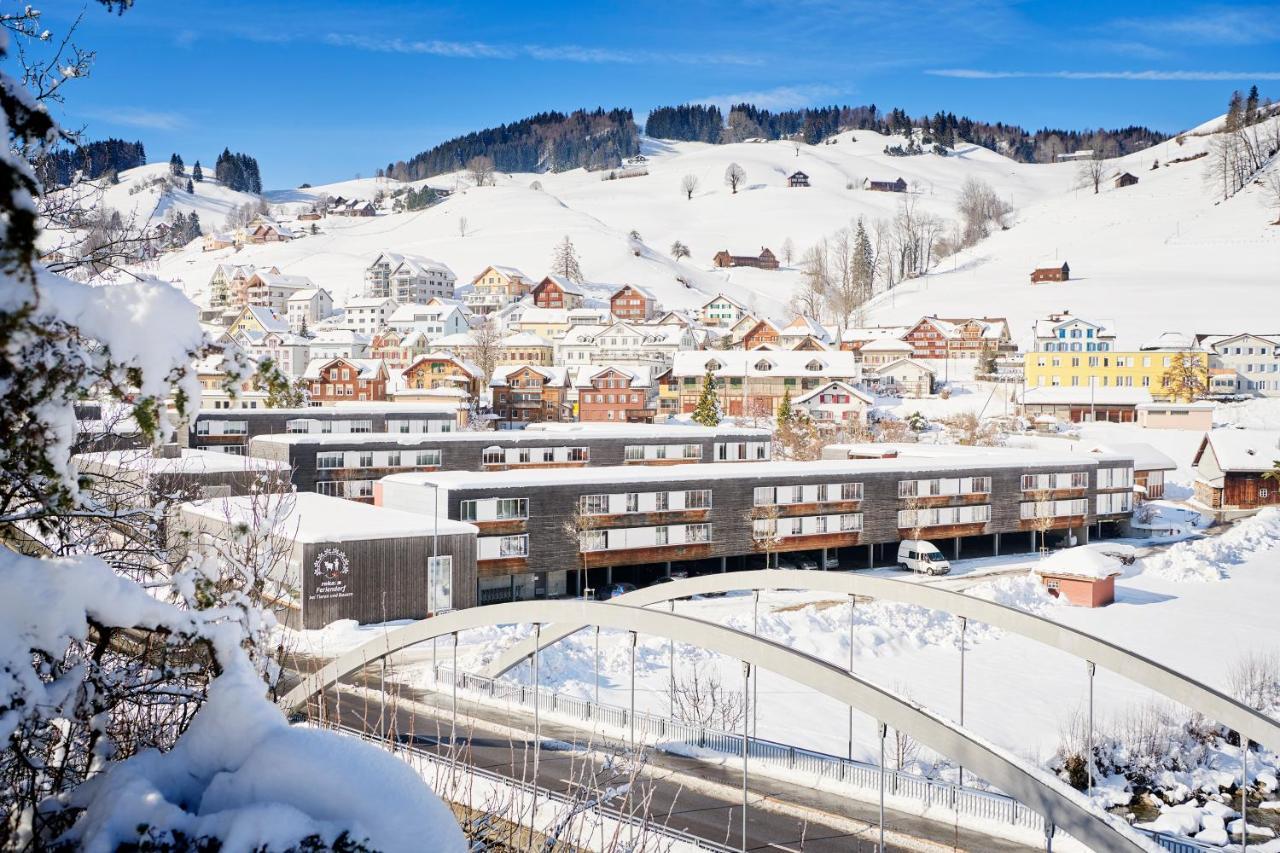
[565, 260]
[575, 527]
[1271, 186]
[689, 185]
[980, 209]
[700, 698]
[487, 340]
[1254, 679]
[462, 226]
[1091, 171]
[734, 176]
[1042, 521]
[765, 535]
[480, 170]
[679, 250]
[788, 251]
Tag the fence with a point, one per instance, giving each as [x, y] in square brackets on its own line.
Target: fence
[667, 839]
[664, 732]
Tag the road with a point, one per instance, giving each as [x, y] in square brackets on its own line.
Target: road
[698, 797]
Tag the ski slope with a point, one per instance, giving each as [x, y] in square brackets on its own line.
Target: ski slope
[1159, 255]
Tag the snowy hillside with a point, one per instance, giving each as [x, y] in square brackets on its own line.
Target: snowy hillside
[1140, 255]
[144, 193]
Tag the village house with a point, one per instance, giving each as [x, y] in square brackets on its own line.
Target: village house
[339, 343]
[552, 323]
[881, 351]
[1062, 332]
[354, 207]
[752, 384]
[721, 311]
[496, 287]
[367, 314]
[854, 339]
[803, 332]
[938, 337]
[1196, 416]
[631, 303]
[758, 334]
[399, 349]
[307, 307]
[218, 240]
[1146, 370]
[614, 394]
[266, 231]
[1149, 467]
[212, 375]
[439, 370]
[1125, 179]
[623, 343]
[895, 186]
[1231, 467]
[524, 393]
[1051, 405]
[766, 260]
[556, 291]
[904, 377]
[835, 404]
[341, 379]
[1243, 364]
[228, 282]
[525, 348]
[797, 179]
[270, 289]
[253, 318]
[1062, 273]
[435, 318]
[408, 278]
[289, 352]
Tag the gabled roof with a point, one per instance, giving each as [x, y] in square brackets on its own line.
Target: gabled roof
[468, 367]
[524, 339]
[368, 302]
[268, 319]
[887, 344]
[566, 285]
[550, 375]
[802, 325]
[412, 264]
[276, 279]
[366, 368]
[1047, 327]
[721, 297]
[893, 365]
[1218, 340]
[308, 293]
[1145, 457]
[641, 377]
[457, 339]
[640, 291]
[783, 363]
[1243, 450]
[837, 385]
[509, 272]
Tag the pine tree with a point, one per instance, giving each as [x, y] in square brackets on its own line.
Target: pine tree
[565, 261]
[176, 167]
[191, 188]
[193, 228]
[707, 411]
[197, 174]
[863, 265]
[784, 410]
[987, 361]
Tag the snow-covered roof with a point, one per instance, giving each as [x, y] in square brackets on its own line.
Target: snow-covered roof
[276, 279]
[637, 289]
[1081, 562]
[836, 385]
[190, 461]
[779, 363]
[366, 368]
[457, 339]
[873, 333]
[1047, 327]
[306, 294]
[550, 375]
[310, 517]
[367, 302]
[1111, 396]
[566, 285]
[569, 432]
[899, 362]
[803, 325]
[1145, 457]
[339, 337]
[509, 272]
[1244, 449]
[525, 339]
[1170, 341]
[887, 344]
[640, 376]
[268, 319]
[439, 355]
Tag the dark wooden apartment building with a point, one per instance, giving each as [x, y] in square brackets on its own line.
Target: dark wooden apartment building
[350, 465]
[636, 523]
[230, 430]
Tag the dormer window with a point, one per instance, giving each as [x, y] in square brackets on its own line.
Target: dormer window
[714, 365]
[813, 366]
[763, 366]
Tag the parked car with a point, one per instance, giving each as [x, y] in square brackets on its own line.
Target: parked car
[785, 564]
[921, 556]
[808, 564]
[833, 563]
[614, 590]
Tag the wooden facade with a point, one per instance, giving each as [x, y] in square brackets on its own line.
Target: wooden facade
[630, 303]
[1062, 273]
[209, 427]
[766, 260]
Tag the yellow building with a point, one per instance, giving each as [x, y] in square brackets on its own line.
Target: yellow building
[1181, 374]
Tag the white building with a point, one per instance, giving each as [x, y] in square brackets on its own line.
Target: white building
[408, 278]
[1062, 332]
[339, 343]
[1244, 363]
[623, 343]
[308, 307]
[367, 314]
[721, 311]
[434, 319]
[272, 290]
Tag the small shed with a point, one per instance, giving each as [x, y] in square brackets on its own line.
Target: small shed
[1084, 576]
[1062, 273]
[798, 179]
[1171, 415]
[1126, 179]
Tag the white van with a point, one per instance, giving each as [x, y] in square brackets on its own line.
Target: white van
[921, 556]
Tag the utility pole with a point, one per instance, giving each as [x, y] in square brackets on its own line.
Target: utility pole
[746, 679]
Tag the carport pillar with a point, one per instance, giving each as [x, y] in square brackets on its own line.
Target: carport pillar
[964, 625]
[724, 565]
[1033, 541]
[997, 545]
[871, 556]
[667, 568]
[631, 715]
[824, 559]
[957, 548]
[608, 575]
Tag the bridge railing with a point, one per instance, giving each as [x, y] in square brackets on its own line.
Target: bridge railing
[665, 732]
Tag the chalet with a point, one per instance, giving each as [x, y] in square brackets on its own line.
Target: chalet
[442, 370]
[835, 404]
[338, 379]
[270, 232]
[721, 311]
[898, 186]
[1062, 273]
[227, 284]
[1232, 468]
[525, 348]
[766, 260]
[797, 179]
[495, 288]
[556, 291]
[633, 303]
[310, 216]
[904, 377]
[270, 289]
[615, 394]
[217, 240]
[754, 383]
[854, 339]
[762, 333]
[257, 319]
[355, 207]
[1125, 179]
[526, 393]
[938, 337]
[882, 351]
[399, 349]
[801, 330]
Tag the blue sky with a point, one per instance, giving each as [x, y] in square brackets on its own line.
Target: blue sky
[320, 91]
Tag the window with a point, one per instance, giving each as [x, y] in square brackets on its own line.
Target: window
[697, 533]
[692, 451]
[513, 546]
[393, 459]
[850, 491]
[329, 487]
[851, 521]
[764, 528]
[512, 508]
[366, 459]
[579, 454]
[633, 453]
[660, 536]
[697, 499]
[764, 496]
[595, 504]
[235, 427]
[467, 510]
[328, 461]
[426, 458]
[633, 501]
[593, 540]
[494, 456]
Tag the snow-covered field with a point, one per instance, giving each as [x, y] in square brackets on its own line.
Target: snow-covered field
[1141, 255]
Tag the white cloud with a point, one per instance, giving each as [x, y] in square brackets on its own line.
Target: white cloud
[777, 98]
[1183, 76]
[432, 47]
[138, 117]
[1216, 25]
[541, 53]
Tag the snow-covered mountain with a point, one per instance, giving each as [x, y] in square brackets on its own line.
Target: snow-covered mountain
[1159, 255]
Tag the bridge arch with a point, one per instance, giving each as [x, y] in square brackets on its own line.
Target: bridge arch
[1040, 791]
[1151, 674]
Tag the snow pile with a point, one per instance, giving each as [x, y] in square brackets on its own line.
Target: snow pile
[1082, 562]
[1025, 593]
[240, 773]
[1199, 560]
